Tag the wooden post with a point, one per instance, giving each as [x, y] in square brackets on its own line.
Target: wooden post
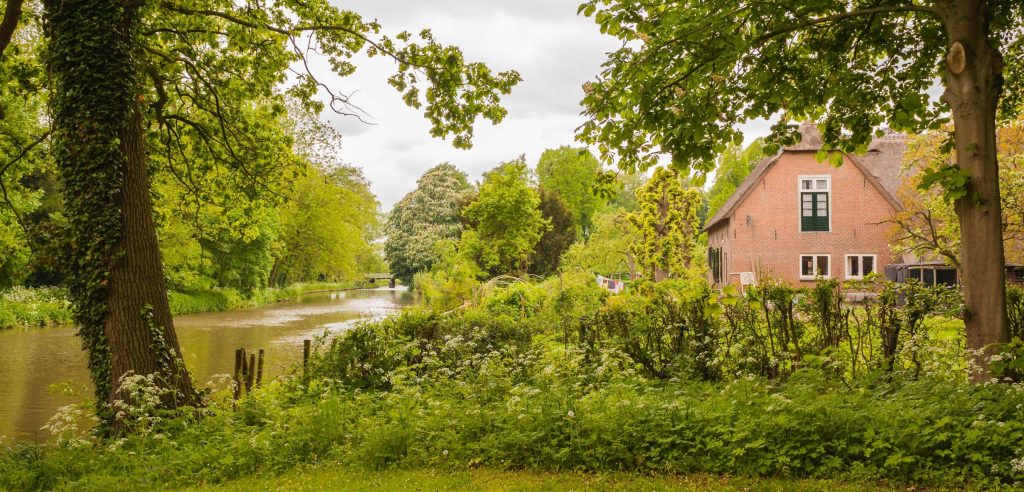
[245, 370]
[259, 368]
[306, 345]
[252, 373]
[238, 373]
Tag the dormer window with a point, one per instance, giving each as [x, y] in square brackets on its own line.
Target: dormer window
[815, 203]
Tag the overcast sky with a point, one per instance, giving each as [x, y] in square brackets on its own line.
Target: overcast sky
[555, 50]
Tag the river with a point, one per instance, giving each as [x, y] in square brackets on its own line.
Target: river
[33, 359]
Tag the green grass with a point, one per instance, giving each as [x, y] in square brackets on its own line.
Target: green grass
[338, 478]
[945, 327]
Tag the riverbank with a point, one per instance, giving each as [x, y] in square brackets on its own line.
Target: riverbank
[22, 307]
[34, 359]
[540, 379]
[211, 300]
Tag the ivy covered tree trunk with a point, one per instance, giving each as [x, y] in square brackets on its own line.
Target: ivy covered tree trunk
[116, 276]
[973, 86]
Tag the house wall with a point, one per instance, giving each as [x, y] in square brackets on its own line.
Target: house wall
[763, 234]
[718, 237]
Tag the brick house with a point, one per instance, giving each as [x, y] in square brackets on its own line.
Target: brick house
[794, 218]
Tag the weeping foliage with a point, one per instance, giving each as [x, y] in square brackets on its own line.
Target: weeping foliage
[326, 228]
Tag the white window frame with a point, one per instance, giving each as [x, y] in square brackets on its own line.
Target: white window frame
[799, 199]
[860, 259]
[828, 269]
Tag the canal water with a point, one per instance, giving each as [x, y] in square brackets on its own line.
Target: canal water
[31, 360]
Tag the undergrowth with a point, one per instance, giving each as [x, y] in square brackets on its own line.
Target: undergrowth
[561, 376]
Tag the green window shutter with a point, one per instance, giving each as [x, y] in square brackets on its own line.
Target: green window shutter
[822, 212]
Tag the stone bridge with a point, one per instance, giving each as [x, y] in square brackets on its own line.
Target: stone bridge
[375, 277]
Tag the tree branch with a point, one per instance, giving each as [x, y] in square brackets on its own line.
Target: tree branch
[24, 151]
[12, 14]
[846, 15]
[289, 31]
[3, 188]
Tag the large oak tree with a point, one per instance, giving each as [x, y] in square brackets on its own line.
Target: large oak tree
[689, 72]
[196, 86]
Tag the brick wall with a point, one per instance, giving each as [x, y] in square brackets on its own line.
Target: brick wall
[763, 234]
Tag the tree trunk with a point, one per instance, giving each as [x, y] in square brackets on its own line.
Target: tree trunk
[12, 14]
[115, 272]
[274, 271]
[139, 326]
[973, 87]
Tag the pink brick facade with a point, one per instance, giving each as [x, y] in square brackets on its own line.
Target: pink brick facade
[760, 236]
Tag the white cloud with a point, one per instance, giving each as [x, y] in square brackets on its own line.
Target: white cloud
[554, 49]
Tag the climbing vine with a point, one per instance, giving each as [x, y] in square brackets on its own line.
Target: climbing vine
[95, 82]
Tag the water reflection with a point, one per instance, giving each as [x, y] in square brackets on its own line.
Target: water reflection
[33, 359]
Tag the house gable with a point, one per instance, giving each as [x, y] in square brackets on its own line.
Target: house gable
[881, 167]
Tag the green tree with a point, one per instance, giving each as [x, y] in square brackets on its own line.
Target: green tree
[23, 147]
[732, 167]
[325, 227]
[572, 172]
[626, 187]
[689, 72]
[607, 251]
[557, 238]
[667, 225]
[452, 279]
[331, 216]
[505, 221]
[423, 217]
[200, 86]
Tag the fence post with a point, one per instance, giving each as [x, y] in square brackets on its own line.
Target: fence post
[306, 346]
[252, 373]
[259, 368]
[238, 373]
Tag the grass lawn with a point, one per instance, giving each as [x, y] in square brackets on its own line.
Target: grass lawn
[328, 478]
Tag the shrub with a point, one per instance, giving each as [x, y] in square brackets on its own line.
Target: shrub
[928, 432]
[667, 328]
[421, 343]
[650, 381]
